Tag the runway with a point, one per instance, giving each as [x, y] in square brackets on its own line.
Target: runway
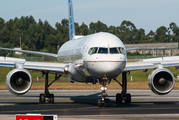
[83, 104]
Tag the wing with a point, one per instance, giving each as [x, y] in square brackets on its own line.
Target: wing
[153, 63]
[19, 80]
[31, 52]
[132, 49]
[38, 66]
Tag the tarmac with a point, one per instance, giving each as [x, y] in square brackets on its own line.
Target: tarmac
[82, 104]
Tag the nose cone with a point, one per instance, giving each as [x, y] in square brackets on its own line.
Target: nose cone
[109, 69]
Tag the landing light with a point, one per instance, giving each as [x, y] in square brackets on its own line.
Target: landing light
[103, 88]
[66, 70]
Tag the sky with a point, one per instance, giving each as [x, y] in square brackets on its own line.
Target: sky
[146, 14]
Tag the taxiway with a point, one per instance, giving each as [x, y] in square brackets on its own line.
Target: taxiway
[83, 104]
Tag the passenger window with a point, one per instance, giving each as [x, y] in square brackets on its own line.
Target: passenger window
[103, 50]
[90, 50]
[114, 51]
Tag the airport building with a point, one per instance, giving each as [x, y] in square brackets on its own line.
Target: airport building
[156, 49]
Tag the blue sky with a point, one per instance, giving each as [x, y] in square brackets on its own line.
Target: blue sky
[146, 14]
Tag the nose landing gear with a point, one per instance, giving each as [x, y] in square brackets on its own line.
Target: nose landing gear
[120, 97]
[103, 101]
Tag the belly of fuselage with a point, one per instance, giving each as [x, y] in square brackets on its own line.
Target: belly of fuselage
[108, 69]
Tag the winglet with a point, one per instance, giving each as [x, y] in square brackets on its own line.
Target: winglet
[71, 20]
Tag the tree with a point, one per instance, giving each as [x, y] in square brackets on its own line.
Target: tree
[5, 35]
[175, 35]
[9, 25]
[98, 27]
[51, 43]
[77, 29]
[127, 32]
[65, 22]
[128, 25]
[42, 36]
[113, 30]
[47, 27]
[84, 29]
[31, 20]
[65, 29]
[40, 22]
[161, 35]
[140, 36]
[2, 23]
[151, 35]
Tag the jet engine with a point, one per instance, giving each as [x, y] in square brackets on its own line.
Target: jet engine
[161, 81]
[18, 81]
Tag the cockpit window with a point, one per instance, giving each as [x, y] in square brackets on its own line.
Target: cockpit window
[122, 50]
[103, 50]
[92, 50]
[114, 51]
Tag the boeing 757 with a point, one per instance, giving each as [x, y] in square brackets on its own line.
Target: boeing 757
[96, 58]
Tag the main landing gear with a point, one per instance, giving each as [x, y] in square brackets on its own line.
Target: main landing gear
[47, 97]
[123, 96]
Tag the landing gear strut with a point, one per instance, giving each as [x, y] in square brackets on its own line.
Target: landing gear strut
[47, 97]
[103, 101]
[123, 96]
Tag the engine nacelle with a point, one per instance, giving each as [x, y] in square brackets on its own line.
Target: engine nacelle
[161, 81]
[18, 81]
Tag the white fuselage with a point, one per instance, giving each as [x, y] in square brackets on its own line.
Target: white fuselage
[97, 56]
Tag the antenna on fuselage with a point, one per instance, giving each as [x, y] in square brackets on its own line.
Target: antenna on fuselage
[71, 21]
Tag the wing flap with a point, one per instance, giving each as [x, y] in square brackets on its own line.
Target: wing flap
[45, 66]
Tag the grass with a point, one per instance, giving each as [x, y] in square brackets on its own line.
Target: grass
[81, 86]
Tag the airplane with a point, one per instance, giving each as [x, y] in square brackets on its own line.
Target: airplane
[96, 58]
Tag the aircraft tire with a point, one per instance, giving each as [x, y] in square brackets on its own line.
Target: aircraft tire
[128, 98]
[107, 102]
[51, 98]
[42, 98]
[100, 104]
[118, 98]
